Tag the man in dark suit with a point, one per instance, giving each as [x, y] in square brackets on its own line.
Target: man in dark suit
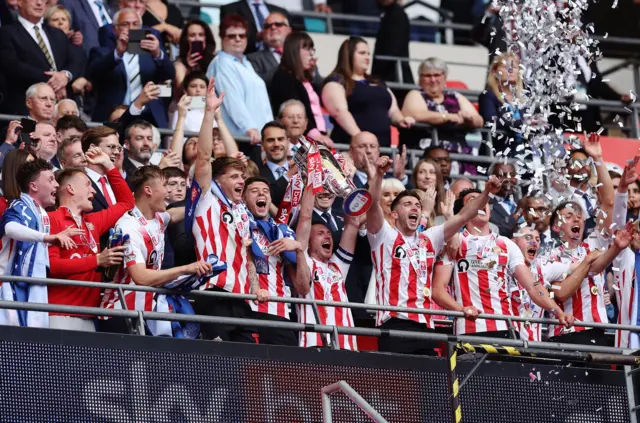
[266, 60]
[32, 52]
[8, 14]
[119, 76]
[255, 12]
[88, 16]
[107, 140]
[275, 167]
[503, 204]
[392, 40]
[323, 210]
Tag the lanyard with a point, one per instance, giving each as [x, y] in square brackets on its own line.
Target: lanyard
[79, 223]
[46, 224]
[241, 222]
[488, 245]
[416, 259]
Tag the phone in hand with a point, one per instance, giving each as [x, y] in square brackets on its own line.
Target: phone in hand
[197, 47]
[135, 36]
[28, 126]
[165, 89]
[198, 102]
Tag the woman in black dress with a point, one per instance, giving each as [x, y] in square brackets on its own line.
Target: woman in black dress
[356, 101]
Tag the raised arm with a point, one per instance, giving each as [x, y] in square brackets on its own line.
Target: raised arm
[606, 193]
[471, 210]
[334, 98]
[629, 176]
[539, 294]
[621, 241]
[205, 140]
[376, 171]
[230, 145]
[350, 232]
[177, 141]
[565, 289]
[302, 280]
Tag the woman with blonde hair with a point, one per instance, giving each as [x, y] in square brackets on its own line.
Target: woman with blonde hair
[390, 189]
[502, 102]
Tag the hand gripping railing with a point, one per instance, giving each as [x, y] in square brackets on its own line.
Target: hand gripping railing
[353, 396]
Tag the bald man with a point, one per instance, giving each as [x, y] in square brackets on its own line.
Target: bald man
[460, 185]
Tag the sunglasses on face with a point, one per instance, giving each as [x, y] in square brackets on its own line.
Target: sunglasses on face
[269, 25]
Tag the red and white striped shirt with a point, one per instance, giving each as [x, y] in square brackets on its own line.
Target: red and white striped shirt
[274, 282]
[328, 283]
[587, 304]
[145, 246]
[216, 229]
[481, 275]
[545, 273]
[404, 270]
[624, 286]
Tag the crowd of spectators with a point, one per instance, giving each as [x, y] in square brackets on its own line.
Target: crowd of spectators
[106, 203]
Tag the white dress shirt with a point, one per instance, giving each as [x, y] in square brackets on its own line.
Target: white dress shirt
[263, 8]
[29, 26]
[320, 213]
[294, 5]
[95, 177]
[96, 12]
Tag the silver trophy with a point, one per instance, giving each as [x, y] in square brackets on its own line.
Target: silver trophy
[356, 201]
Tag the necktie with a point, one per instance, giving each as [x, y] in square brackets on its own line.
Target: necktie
[280, 171]
[44, 48]
[511, 206]
[132, 66]
[278, 50]
[103, 16]
[259, 15]
[105, 191]
[327, 218]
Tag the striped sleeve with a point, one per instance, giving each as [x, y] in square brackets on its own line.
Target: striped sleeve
[343, 259]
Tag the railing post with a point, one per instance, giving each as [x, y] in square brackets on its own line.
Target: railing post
[140, 323]
[329, 23]
[452, 379]
[448, 33]
[631, 394]
[399, 70]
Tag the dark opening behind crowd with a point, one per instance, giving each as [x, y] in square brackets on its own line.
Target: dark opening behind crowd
[201, 215]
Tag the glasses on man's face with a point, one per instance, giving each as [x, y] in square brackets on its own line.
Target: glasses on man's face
[506, 175]
[269, 25]
[113, 147]
[130, 25]
[235, 36]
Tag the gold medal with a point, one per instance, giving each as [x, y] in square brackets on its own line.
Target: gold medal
[594, 290]
[426, 291]
[491, 264]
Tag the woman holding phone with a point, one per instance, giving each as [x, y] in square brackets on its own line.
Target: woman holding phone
[197, 50]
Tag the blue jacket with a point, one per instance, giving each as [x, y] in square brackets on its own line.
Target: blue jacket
[83, 20]
[109, 78]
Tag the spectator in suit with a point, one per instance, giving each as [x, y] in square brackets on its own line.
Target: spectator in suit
[195, 31]
[294, 118]
[87, 17]
[294, 80]
[45, 143]
[70, 126]
[119, 76]
[363, 144]
[275, 168]
[392, 40]
[334, 219]
[266, 60]
[503, 204]
[138, 141]
[107, 35]
[40, 101]
[255, 12]
[8, 12]
[460, 184]
[34, 52]
[246, 106]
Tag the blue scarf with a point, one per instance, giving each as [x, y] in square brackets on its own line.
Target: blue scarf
[31, 259]
[180, 304]
[273, 232]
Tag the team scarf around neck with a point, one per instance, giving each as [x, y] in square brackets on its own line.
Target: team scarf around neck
[273, 232]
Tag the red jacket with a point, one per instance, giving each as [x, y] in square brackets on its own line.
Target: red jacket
[81, 263]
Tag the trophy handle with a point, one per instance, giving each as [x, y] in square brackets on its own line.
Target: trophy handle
[357, 203]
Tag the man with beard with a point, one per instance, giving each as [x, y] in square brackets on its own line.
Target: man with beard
[544, 272]
[503, 204]
[138, 144]
[482, 269]
[275, 253]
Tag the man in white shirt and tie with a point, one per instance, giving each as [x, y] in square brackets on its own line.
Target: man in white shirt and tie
[275, 167]
[266, 61]
[32, 52]
[503, 205]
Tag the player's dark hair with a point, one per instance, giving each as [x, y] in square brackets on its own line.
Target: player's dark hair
[29, 172]
[220, 166]
[564, 205]
[253, 180]
[95, 135]
[71, 121]
[272, 124]
[459, 203]
[174, 172]
[407, 193]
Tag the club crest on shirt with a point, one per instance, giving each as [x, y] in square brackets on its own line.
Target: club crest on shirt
[227, 217]
[152, 258]
[399, 252]
[463, 265]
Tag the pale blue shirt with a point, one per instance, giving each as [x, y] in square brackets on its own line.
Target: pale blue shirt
[274, 169]
[246, 102]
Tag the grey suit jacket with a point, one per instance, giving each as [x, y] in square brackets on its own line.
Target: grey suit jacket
[503, 220]
[265, 64]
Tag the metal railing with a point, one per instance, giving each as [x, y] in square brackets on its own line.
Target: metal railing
[300, 327]
[351, 393]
